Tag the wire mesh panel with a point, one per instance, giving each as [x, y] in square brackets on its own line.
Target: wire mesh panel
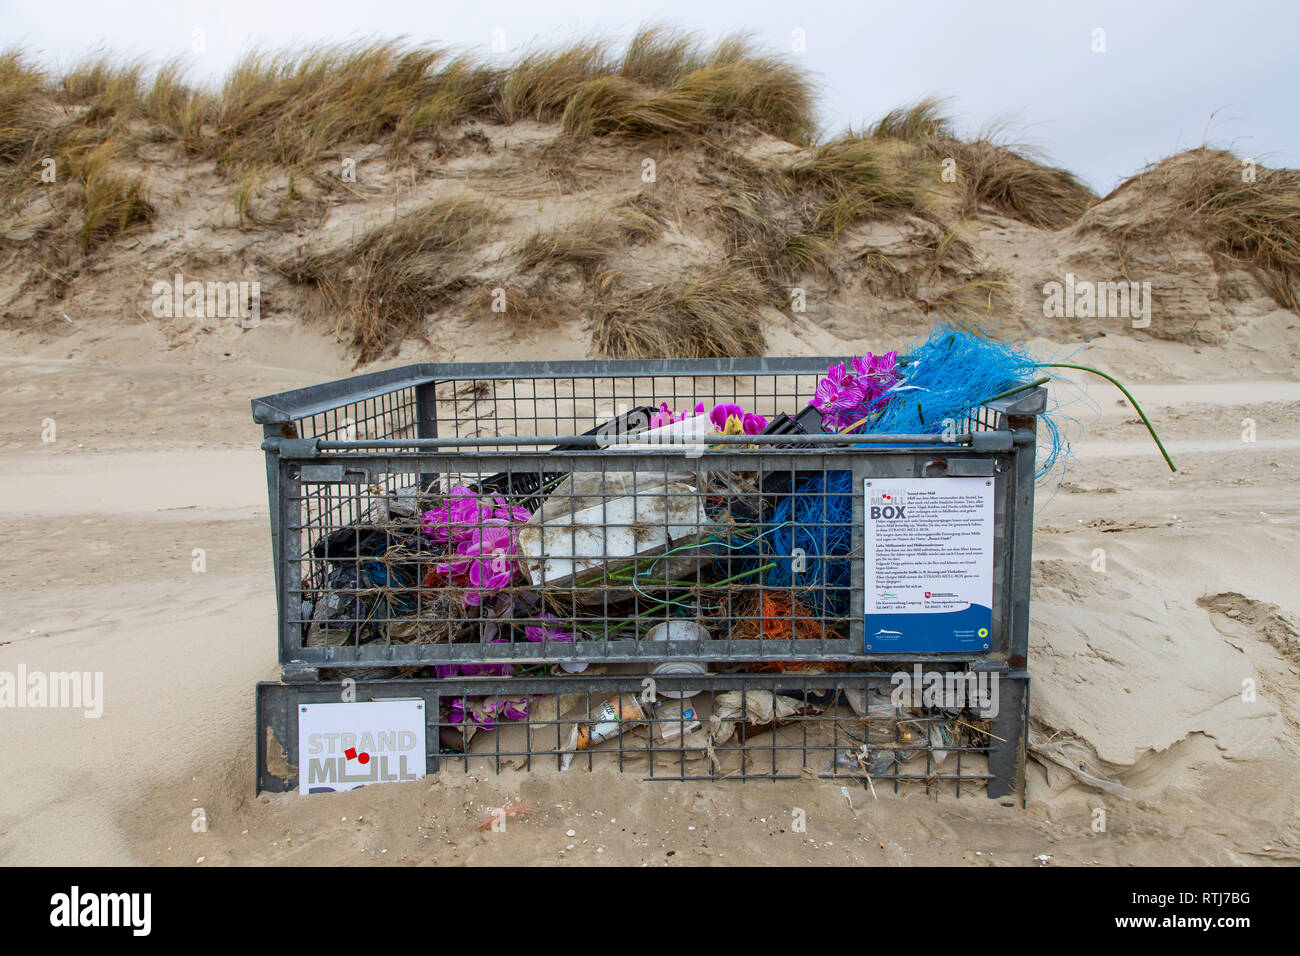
[468, 520]
[872, 728]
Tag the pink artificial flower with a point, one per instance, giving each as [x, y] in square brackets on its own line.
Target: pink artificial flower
[724, 412]
[538, 633]
[845, 398]
[662, 417]
[508, 512]
[665, 415]
[754, 424]
[838, 392]
[482, 536]
[484, 710]
[485, 554]
[476, 670]
[461, 511]
[877, 373]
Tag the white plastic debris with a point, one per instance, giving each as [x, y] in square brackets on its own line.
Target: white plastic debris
[576, 547]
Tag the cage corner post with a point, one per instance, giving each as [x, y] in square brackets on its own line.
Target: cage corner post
[1009, 737]
[426, 410]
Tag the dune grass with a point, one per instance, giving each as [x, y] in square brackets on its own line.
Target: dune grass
[588, 240]
[290, 114]
[113, 202]
[1248, 215]
[780, 222]
[22, 94]
[382, 285]
[660, 55]
[1011, 178]
[106, 90]
[584, 242]
[712, 312]
[1017, 185]
[293, 108]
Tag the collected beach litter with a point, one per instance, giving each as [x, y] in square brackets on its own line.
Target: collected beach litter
[675, 550]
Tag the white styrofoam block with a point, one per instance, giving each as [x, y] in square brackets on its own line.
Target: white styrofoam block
[696, 427]
[572, 548]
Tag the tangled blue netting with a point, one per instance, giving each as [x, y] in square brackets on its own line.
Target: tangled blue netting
[811, 529]
[947, 377]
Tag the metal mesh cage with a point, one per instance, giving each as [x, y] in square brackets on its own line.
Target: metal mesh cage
[470, 534]
[728, 727]
[436, 516]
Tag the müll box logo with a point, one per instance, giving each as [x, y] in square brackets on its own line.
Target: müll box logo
[888, 504]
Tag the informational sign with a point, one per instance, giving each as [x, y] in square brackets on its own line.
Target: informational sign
[345, 746]
[929, 564]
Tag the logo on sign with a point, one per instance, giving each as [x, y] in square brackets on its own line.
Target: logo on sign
[347, 745]
[888, 505]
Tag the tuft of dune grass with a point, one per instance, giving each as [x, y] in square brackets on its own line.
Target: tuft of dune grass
[113, 202]
[641, 218]
[298, 108]
[660, 55]
[1010, 178]
[780, 222]
[856, 178]
[22, 86]
[288, 109]
[382, 285]
[462, 87]
[712, 312]
[763, 93]
[540, 83]
[587, 241]
[1209, 193]
[1018, 186]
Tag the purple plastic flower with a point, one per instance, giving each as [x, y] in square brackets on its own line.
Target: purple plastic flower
[754, 424]
[662, 417]
[489, 566]
[838, 393]
[877, 373]
[845, 398]
[463, 511]
[509, 512]
[723, 412]
[485, 710]
[665, 415]
[460, 512]
[485, 554]
[476, 670]
[538, 632]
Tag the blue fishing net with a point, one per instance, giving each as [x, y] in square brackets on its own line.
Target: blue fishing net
[808, 537]
[945, 379]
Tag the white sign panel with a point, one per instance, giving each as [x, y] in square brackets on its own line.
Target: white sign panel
[929, 564]
[345, 746]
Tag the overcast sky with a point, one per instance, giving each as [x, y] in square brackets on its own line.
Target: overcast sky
[1172, 74]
